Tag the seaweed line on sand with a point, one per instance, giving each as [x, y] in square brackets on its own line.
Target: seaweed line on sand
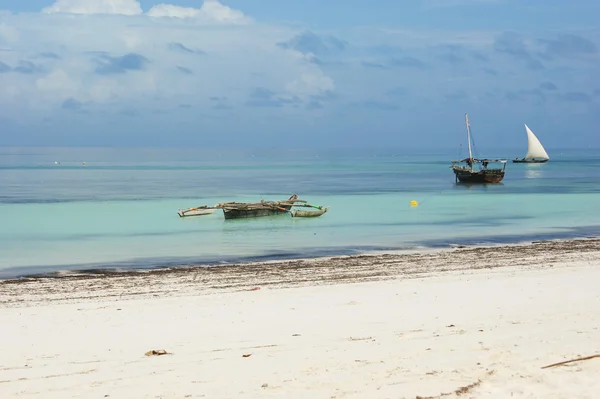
[200, 280]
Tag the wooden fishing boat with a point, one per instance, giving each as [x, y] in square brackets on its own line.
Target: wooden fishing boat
[476, 170]
[237, 210]
[242, 210]
[535, 150]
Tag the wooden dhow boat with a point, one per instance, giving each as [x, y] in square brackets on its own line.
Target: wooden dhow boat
[476, 170]
[242, 210]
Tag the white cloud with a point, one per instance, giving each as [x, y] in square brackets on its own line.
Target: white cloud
[132, 39]
[210, 11]
[175, 59]
[219, 12]
[311, 83]
[8, 34]
[123, 7]
[173, 11]
[154, 63]
[57, 81]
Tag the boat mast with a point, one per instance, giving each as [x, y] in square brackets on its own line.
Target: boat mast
[469, 139]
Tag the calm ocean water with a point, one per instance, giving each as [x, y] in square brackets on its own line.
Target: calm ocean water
[119, 210]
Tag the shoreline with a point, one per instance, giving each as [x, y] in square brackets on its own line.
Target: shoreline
[106, 284]
[425, 246]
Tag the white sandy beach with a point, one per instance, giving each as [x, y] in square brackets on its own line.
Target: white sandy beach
[475, 332]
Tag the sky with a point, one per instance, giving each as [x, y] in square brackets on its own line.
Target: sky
[311, 73]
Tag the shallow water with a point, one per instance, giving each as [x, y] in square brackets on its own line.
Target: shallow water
[119, 210]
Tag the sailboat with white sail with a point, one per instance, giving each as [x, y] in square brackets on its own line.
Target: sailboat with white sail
[535, 150]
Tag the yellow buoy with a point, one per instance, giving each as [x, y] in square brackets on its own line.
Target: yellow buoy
[414, 203]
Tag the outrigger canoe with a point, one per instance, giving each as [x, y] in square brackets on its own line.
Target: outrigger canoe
[240, 210]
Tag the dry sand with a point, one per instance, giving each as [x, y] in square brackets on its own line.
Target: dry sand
[472, 323]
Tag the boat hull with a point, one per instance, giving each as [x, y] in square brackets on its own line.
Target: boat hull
[194, 212]
[309, 214]
[481, 176]
[252, 213]
[530, 160]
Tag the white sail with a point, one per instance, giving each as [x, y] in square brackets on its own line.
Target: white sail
[535, 150]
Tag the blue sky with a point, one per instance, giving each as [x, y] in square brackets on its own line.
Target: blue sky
[299, 73]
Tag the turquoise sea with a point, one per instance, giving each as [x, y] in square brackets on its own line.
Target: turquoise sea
[119, 210]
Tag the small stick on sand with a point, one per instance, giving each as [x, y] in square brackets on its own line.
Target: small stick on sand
[572, 360]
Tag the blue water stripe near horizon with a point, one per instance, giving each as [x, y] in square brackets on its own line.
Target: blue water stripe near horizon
[583, 187]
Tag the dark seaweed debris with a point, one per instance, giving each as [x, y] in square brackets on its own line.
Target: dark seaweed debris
[194, 280]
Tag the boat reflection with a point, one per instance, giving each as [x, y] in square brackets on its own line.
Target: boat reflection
[476, 186]
[533, 173]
